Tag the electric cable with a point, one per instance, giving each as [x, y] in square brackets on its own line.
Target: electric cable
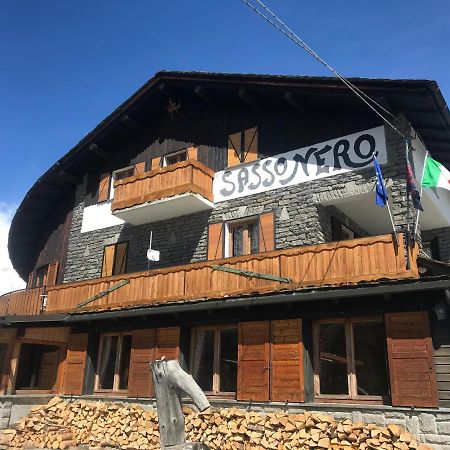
[284, 29]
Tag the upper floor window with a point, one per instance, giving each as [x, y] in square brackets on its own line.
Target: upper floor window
[115, 259]
[120, 174]
[214, 354]
[174, 158]
[340, 231]
[243, 237]
[243, 146]
[431, 248]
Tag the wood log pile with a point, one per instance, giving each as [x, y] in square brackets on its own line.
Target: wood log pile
[62, 424]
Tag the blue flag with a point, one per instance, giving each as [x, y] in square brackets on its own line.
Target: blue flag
[381, 191]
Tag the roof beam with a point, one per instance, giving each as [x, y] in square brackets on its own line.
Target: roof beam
[249, 99]
[99, 151]
[293, 101]
[205, 95]
[132, 123]
[167, 90]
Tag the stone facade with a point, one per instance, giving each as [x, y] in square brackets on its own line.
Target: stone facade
[300, 213]
[443, 241]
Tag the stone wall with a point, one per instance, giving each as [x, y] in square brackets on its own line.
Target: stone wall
[443, 237]
[301, 219]
[431, 426]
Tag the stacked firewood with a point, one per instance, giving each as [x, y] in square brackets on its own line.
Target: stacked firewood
[62, 424]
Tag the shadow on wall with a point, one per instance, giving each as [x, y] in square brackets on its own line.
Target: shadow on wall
[181, 240]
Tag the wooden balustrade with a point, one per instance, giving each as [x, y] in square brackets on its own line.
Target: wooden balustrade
[26, 302]
[367, 259]
[188, 176]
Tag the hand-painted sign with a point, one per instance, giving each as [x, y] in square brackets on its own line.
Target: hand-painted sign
[333, 157]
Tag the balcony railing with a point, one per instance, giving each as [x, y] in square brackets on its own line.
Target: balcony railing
[366, 259]
[26, 302]
[182, 179]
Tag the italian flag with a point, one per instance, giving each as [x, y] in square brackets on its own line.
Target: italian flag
[435, 175]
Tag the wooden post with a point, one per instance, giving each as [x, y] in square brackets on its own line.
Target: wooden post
[169, 380]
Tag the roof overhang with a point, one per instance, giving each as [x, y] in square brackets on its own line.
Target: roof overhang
[420, 100]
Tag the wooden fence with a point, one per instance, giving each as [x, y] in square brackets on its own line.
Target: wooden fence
[188, 176]
[26, 302]
[366, 259]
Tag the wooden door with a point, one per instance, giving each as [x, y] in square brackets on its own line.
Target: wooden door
[253, 361]
[410, 353]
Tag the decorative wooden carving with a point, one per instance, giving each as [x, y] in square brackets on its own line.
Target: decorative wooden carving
[169, 381]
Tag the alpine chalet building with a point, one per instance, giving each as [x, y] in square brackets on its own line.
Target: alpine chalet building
[229, 221]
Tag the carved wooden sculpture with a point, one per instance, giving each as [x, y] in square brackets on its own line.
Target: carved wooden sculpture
[169, 381]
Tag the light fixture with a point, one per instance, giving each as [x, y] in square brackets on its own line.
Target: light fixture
[440, 309]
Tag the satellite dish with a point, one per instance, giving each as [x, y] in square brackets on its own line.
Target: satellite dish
[153, 255]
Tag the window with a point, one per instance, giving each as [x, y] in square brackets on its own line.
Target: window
[350, 358]
[175, 158]
[120, 174]
[37, 367]
[115, 259]
[40, 277]
[243, 146]
[341, 232]
[243, 237]
[214, 358]
[113, 362]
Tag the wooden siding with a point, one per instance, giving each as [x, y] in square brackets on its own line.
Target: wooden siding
[366, 259]
[188, 176]
[26, 302]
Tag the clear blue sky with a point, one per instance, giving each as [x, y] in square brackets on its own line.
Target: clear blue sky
[65, 65]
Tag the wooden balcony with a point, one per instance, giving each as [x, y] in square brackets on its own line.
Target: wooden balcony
[26, 302]
[367, 259]
[172, 191]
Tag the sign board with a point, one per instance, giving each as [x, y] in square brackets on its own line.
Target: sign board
[336, 156]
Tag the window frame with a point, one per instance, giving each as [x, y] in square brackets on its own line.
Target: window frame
[228, 235]
[116, 378]
[216, 363]
[113, 178]
[351, 363]
[171, 155]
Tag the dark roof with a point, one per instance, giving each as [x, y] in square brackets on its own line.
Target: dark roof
[420, 100]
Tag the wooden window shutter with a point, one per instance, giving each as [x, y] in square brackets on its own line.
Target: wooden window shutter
[336, 229]
[286, 364]
[30, 280]
[267, 232]
[234, 149]
[142, 353]
[156, 163]
[108, 260]
[410, 355]
[139, 168]
[52, 274]
[120, 258]
[215, 241]
[75, 364]
[253, 361]
[250, 144]
[103, 188]
[192, 153]
[47, 369]
[168, 343]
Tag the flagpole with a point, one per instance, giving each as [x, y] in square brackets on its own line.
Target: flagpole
[392, 222]
[388, 207]
[421, 192]
[408, 212]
